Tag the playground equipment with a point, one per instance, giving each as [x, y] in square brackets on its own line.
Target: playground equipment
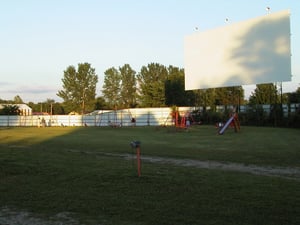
[182, 119]
[234, 121]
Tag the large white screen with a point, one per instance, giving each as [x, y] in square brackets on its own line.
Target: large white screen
[249, 52]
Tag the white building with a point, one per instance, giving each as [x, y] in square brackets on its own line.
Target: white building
[25, 110]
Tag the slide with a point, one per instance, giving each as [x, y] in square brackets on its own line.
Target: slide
[226, 125]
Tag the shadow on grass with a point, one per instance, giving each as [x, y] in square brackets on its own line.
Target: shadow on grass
[56, 175]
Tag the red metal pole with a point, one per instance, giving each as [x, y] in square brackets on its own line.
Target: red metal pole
[138, 158]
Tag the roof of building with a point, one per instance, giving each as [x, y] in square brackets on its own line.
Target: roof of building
[21, 106]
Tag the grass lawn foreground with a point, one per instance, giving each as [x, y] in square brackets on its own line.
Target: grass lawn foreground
[88, 175]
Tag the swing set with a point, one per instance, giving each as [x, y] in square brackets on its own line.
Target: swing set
[182, 120]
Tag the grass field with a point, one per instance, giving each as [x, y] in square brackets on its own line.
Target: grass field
[82, 174]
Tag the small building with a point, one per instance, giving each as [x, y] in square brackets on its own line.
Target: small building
[24, 109]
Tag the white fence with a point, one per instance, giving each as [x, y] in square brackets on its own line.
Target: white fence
[142, 116]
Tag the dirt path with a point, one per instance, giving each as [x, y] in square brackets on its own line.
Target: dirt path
[283, 172]
[11, 217]
[291, 173]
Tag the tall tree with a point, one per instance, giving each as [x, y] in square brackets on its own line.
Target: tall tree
[100, 103]
[79, 88]
[111, 87]
[128, 86]
[220, 96]
[175, 93]
[264, 94]
[151, 82]
[18, 100]
[230, 95]
[174, 87]
[294, 97]
[205, 98]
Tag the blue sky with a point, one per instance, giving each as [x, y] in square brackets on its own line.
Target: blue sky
[40, 39]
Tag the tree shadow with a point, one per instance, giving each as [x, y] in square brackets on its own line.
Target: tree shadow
[262, 52]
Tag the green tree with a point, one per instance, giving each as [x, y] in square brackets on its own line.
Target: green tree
[52, 107]
[79, 88]
[212, 97]
[151, 82]
[35, 107]
[230, 95]
[58, 109]
[18, 100]
[10, 110]
[175, 93]
[6, 101]
[206, 98]
[111, 87]
[100, 103]
[47, 106]
[264, 94]
[128, 86]
[294, 97]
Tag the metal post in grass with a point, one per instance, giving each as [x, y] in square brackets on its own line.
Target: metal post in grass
[137, 146]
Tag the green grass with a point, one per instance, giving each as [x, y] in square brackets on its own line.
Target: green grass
[51, 170]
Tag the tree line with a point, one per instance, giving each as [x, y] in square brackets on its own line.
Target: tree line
[155, 85]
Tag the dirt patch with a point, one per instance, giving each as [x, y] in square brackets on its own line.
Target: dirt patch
[288, 173]
[283, 172]
[12, 217]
